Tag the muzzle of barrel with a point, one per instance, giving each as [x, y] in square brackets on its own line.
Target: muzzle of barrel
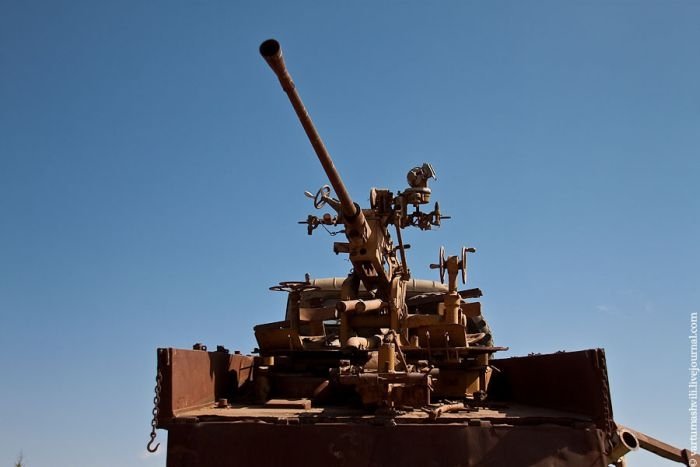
[272, 53]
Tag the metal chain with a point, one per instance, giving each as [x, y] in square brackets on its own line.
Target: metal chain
[154, 421]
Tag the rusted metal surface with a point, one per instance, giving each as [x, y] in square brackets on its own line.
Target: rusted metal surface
[219, 444]
[495, 413]
[303, 404]
[196, 378]
[529, 394]
[392, 390]
[662, 449]
[569, 381]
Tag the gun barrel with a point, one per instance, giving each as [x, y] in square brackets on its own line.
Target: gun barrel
[272, 53]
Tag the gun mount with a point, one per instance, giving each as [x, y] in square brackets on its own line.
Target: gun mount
[380, 368]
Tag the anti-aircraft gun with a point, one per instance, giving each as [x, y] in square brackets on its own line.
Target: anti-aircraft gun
[381, 368]
[380, 322]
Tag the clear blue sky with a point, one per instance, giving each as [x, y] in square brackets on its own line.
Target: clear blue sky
[152, 171]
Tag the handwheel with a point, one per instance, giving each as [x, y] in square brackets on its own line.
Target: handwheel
[442, 262]
[294, 286]
[321, 195]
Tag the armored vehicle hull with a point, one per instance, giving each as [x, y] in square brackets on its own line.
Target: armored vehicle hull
[551, 410]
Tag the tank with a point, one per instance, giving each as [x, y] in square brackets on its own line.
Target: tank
[380, 368]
